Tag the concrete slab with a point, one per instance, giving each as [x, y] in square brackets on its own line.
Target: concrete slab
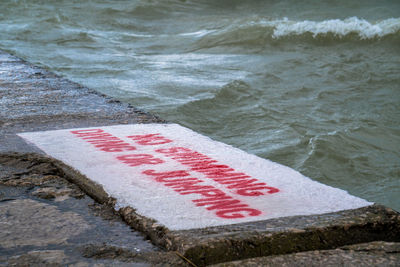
[184, 180]
[121, 169]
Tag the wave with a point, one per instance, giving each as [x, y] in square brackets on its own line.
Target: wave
[260, 31]
[337, 27]
[237, 91]
[154, 9]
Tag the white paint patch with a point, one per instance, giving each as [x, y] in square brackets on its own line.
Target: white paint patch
[185, 180]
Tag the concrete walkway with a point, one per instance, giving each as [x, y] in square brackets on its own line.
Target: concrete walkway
[50, 215]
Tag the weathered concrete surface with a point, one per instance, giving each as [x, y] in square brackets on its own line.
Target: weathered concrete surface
[367, 254]
[33, 99]
[46, 220]
[276, 236]
[34, 186]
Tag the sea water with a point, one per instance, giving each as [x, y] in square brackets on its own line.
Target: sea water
[314, 85]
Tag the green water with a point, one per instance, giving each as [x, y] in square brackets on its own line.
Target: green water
[314, 85]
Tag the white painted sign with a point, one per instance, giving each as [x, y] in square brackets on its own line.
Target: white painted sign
[185, 180]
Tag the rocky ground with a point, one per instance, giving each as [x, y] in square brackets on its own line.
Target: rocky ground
[47, 219]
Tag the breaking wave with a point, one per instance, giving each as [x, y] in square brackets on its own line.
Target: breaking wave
[260, 31]
[337, 27]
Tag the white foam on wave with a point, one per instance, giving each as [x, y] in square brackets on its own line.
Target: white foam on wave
[365, 29]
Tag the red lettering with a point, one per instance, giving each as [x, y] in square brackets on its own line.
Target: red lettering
[134, 160]
[104, 141]
[223, 173]
[244, 183]
[251, 192]
[114, 146]
[189, 187]
[205, 167]
[150, 139]
[214, 199]
[234, 213]
[219, 196]
[191, 156]
[109, 148]
[222, 205]
[109, 142]
[181, 182]
[230, 180]
[190, 161]
[208, 192]
[101, 141]
[172, 150]
[101, 136]
[161, 176]
[203, 164]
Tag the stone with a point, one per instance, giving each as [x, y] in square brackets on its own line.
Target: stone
[25, 222]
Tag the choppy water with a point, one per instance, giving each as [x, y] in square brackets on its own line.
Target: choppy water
[314, 85]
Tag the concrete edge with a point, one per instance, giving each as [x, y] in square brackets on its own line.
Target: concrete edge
[62, 78]
[247, 240]
[91, 188]
[222, 244]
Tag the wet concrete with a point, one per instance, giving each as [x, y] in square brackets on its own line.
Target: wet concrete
[46, 220]
[34, 99]
[276, 236]
[366, 254]
[52, 215]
